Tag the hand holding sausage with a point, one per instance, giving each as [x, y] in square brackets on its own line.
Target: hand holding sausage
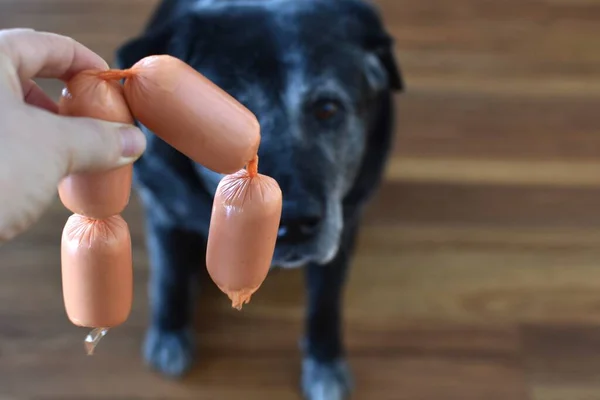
[38, 147]
[91, 160]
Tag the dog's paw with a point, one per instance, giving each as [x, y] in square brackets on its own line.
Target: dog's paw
[326, 381]
[169, 352]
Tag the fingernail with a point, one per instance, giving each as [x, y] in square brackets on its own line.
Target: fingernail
[133, 143]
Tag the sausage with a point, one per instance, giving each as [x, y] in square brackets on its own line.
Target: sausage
[201, 121]
[190, 113]
[96, 195]
[97, 275]
[96, 254]
[243, 230]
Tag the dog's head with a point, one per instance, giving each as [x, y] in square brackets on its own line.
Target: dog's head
[318, 74]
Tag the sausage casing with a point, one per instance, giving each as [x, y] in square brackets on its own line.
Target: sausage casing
[97, 194]
[242, 235]
[97, 274]
[190, 113]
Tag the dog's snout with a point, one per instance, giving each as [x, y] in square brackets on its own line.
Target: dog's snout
[298, 229]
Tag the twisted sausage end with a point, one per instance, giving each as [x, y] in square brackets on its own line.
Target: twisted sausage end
[252, 167]
[240, 297]
[116, 74]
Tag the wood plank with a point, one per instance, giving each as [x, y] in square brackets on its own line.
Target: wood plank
[483, 127]
[484, 205]
[562, 361]
[466, 171]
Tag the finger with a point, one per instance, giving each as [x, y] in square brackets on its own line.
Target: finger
[46, 55]
[35, 96]
[92, 145]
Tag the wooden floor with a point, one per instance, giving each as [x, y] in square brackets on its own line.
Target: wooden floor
[478, 274]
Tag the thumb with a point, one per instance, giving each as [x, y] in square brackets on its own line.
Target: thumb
[94, 145]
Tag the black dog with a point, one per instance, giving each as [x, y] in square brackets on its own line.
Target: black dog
[320, 76]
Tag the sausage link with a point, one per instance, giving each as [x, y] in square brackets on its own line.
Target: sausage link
[96, 245]
[190, 113]
[96, 195]
[201, 121]
[243, 230]
[97, 277]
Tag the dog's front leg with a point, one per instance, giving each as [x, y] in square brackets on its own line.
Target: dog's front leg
[175, 258]
[325, 373]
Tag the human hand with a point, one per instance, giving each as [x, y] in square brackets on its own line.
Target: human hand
[38, 147]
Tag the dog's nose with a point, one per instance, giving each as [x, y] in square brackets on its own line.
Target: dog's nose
[298, 229]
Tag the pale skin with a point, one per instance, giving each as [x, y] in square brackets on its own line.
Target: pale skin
[38, 147]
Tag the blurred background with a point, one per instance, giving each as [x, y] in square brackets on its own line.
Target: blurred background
[478, 270]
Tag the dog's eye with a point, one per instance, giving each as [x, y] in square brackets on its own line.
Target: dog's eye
[326, 109]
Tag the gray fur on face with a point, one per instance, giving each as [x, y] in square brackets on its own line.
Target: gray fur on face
[335, 151]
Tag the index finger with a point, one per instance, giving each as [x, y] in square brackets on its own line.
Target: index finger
[46, 55]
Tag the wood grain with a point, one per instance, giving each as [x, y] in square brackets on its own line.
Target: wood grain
[477, 274]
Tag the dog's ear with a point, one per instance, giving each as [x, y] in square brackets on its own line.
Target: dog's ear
[156, 40]
[158, 34]
[381, 69]
[383, 74]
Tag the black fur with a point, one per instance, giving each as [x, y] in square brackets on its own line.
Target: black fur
[288, 61]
